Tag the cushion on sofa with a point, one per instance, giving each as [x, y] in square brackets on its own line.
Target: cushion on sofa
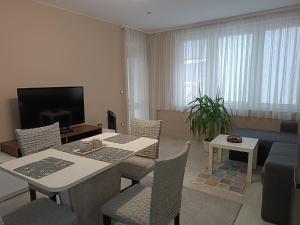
[284, 154]
[266, 139]
[272, 136]
[289, 126]
[284, 149]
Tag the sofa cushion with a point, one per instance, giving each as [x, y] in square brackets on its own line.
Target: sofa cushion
[284, 149]
[266, 139]
[272, 136]
[289, 126]
[284, 154]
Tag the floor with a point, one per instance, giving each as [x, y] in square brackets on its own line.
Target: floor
[198, 158]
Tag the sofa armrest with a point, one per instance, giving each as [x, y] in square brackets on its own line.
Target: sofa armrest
[289, 127]
[295, 216]
[277, 189]
[297, 174]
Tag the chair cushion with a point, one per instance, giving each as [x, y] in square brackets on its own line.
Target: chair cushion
[131, 207]
[136, 167]
[41, 212]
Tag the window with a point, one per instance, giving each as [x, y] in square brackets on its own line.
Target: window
[253, 63]
[254, 76]
[280, 58]
[195, 61]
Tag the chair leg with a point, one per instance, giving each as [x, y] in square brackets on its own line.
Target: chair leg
[32, 194]
[53, 198]
[106, 220]
[177, 220]
[134, 182]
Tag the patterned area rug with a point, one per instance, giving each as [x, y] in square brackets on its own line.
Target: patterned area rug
[229, 176]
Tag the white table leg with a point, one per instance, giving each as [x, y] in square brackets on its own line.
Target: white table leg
[210, 159]
[220, 155]
[250, 164]
[255, 157]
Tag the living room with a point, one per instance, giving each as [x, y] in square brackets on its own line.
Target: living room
[199, 70]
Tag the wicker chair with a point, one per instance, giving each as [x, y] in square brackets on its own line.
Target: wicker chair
[137, 167]
[139, 205]
[35, 140]
[39, 212]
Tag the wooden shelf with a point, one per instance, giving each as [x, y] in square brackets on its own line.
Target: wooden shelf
[77, 133]
[11, 148]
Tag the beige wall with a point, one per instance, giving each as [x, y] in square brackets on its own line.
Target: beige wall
[45, 46]
[174, 124]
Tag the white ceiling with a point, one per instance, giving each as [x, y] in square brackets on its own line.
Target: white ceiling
[165, 13]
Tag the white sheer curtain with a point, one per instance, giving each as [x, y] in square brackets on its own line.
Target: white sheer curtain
[137, 73]
[253, 63]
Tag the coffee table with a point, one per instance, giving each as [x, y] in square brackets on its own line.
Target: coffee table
[248, 145]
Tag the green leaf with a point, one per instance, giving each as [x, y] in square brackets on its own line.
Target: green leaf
[208, 117]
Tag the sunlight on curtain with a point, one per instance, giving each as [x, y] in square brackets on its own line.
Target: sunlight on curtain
[253, 63]
[137, 73]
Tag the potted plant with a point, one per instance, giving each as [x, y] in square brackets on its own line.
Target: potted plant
[208, 117]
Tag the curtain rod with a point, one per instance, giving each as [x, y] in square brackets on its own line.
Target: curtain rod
[232, 18]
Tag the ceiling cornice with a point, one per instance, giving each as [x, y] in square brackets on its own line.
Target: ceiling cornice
[232, 18]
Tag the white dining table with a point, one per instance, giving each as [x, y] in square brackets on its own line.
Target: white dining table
[78, 179]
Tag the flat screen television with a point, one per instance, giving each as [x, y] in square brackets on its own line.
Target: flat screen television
[44, 106]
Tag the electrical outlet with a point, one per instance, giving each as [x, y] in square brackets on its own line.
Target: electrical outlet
[123, 124]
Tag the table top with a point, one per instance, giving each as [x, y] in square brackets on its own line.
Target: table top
[247, 145]
[82, 169]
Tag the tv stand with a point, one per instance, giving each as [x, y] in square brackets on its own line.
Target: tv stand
[75, 134]
[66, 130]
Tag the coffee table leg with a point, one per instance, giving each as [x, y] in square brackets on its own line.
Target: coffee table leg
[255, 157]
[220, 155]
[210, 159]
[250, 163]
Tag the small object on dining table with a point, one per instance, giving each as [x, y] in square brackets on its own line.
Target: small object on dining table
[97, 143]
[234, 139]
[87, 147]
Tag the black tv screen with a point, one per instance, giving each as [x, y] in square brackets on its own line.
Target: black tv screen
[44, 106]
